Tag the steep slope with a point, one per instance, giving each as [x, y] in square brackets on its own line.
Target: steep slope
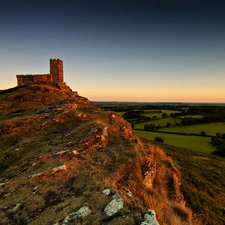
[64, 161]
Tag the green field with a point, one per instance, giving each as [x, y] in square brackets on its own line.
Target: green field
[192, 116]
[158, 122]
[151, 113]
[196, 143]
[209, 128]
[121, 113]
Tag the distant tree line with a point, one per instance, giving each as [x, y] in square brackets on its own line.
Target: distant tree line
[202, 110]
[164, 107]
[206, 110]
[135, 117]
[159, 139]
[152, 126]
[186, 121]
[219, 143]
[205, 119]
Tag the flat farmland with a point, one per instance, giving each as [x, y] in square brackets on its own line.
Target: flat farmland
[209, 128]
[159, 122]
[196, 143]
[191, 116]
[121, 113]
[151, 113]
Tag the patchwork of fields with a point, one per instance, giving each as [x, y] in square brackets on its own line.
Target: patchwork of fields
[171, 126]
[203, 176]
[158, 122]
[187, 136]
[209, 128]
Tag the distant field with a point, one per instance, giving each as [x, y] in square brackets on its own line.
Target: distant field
[121, 113]
[163, 111]
[193, 116]
[159, 122]
[196, 143]
[152, 113]
[209, 128]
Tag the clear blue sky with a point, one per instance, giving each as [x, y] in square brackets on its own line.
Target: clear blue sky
[119, 50]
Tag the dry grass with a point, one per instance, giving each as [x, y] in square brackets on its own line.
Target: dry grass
[107, 156]
[164, 196]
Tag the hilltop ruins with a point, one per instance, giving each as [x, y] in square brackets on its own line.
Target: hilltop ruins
[55, 75]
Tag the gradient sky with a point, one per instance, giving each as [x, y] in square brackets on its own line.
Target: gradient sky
[119, 50]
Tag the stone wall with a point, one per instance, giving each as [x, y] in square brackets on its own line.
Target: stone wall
[32, 78]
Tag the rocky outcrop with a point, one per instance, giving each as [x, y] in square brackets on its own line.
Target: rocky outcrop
[150, 218]
[56, 159]
[114, 206]
[81, 213]
[149, 175]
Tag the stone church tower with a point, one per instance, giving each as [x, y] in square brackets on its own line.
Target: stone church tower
[56, 70]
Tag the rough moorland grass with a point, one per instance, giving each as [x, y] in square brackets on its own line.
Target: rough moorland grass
[203, 182]
[159, 122]
[196, 143]
[209, 128]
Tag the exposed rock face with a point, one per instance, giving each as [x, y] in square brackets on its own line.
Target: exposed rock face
[150, 218]
[106, 191]
[114, 206]
[57, 157]
[81, 213]
[150, 175]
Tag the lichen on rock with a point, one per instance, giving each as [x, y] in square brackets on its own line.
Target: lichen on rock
[114, 206]
[150, 218]
[81, 213]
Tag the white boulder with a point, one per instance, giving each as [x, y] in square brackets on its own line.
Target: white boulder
[81, 213]
[150, 218]
[114, 206]
[106, 191]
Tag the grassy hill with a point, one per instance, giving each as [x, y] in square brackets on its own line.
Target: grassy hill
[58, 153]
[203, 182]
[202, 173]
